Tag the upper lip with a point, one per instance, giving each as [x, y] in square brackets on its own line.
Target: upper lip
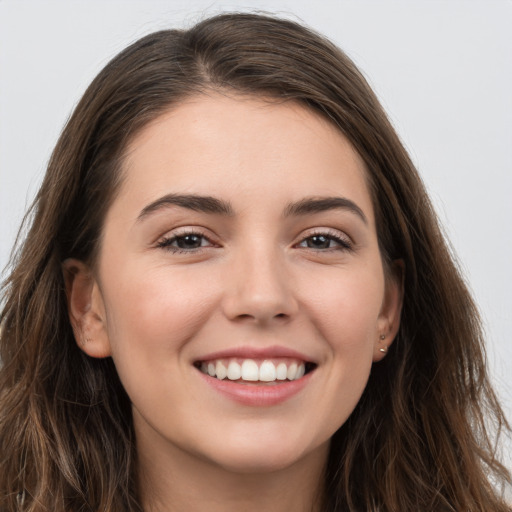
[251, 352]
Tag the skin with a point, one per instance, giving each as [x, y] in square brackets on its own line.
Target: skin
[257, 280]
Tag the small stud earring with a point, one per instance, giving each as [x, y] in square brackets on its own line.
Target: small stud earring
[383, 349]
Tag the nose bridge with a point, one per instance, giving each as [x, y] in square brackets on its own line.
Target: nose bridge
[258, 286]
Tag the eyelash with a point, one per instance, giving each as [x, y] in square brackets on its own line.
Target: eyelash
[166, 242]
[343, 244]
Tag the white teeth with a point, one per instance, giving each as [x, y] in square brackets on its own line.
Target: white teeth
[250, 370]
[234, 371]
[221, 370]
[281, 371]
[267, 371]
[292, 371]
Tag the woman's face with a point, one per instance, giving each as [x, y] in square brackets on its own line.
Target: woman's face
[240, 252]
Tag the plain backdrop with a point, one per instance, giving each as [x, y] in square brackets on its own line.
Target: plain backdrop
[442, 69]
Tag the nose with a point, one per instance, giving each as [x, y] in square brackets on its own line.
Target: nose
[259, 289]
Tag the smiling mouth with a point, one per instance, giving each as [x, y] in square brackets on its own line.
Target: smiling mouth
[256, 370]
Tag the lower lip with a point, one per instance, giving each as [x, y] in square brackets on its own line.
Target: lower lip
[257, 395]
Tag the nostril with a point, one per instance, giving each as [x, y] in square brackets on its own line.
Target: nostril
[244, 316]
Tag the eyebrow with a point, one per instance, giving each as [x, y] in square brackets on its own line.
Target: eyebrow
[323, 204]
[205, 204]
[213, 205]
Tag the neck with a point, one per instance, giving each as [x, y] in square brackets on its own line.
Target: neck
[173, 480]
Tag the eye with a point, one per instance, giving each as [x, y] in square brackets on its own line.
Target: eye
[185, 242]
[325, 241]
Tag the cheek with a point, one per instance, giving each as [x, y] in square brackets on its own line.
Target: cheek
[151, 317]
[157, 309]
[345, 307]
[345, 311]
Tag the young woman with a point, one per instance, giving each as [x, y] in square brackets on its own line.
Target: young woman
[234, 295]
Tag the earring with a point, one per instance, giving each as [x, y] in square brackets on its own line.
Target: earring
[383, 349]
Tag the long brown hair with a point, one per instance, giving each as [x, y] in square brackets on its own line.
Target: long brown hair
[420, 437]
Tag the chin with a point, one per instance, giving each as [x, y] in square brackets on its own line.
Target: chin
[267, 457]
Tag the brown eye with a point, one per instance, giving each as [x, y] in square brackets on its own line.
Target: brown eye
[187, 242]
[324, 241]
[318, 242]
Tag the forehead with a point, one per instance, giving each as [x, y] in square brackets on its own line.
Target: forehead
[246, 147]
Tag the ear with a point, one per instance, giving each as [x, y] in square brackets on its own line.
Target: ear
[86, 309]
[389, 317]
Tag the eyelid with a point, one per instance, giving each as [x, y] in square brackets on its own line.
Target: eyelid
[165, 241]
[345, 241]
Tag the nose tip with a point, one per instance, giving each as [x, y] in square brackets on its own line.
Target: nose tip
[260, 292]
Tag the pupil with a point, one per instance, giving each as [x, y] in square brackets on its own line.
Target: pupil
[318, 242]
[189, 242]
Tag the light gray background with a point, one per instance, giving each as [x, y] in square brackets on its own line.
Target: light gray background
[441, 68]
